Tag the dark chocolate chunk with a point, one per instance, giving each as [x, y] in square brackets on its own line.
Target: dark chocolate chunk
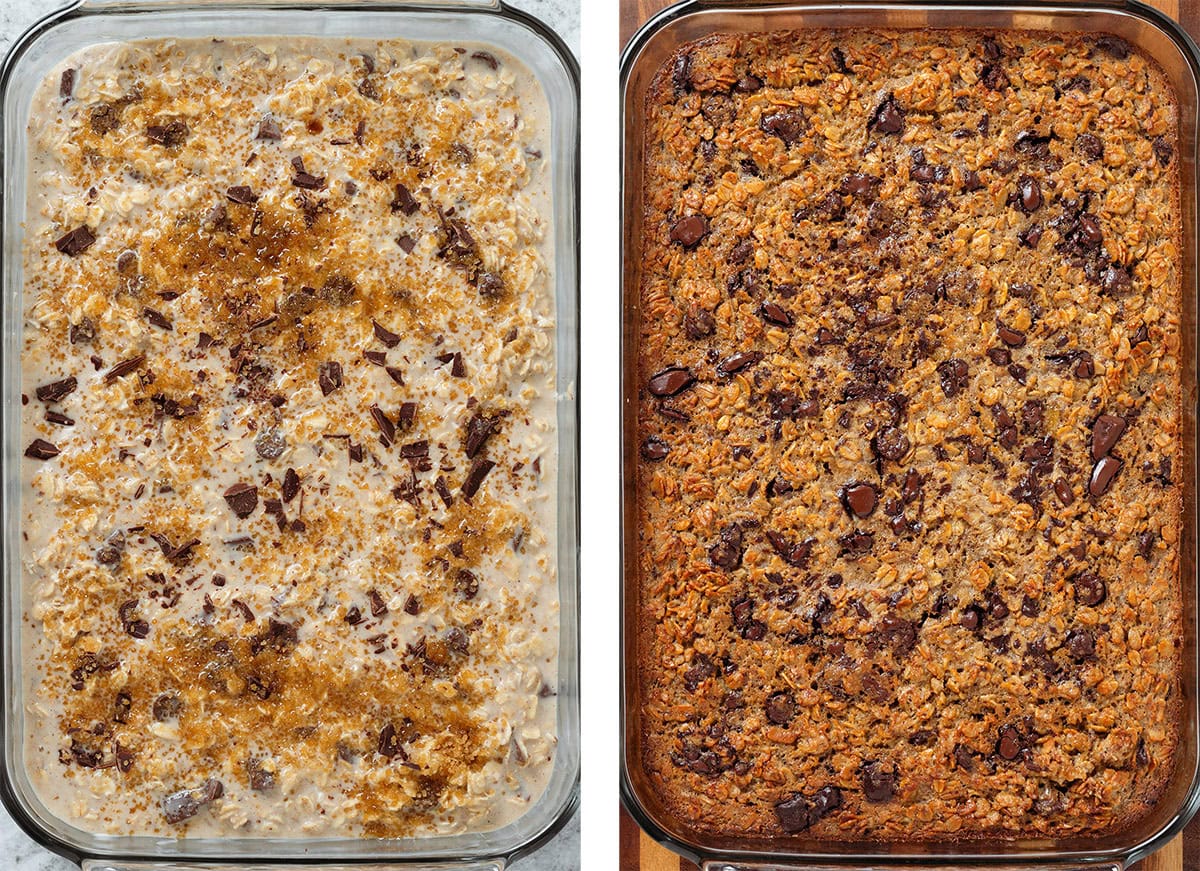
[670, 382]
[478, 430]
[56, 391]
[856, 543]
[688, 231]
[124, 368]
[268, 128]
[395, 374]
[788, 125]
[329, 377]
[1115, 279]
[378, 606]
[858, 499]
[891, 443]
[971, 180]
[699, 323]
[793, 553]
[1090, 590]
[291, 485]
[59, 419]
[878, 781]
[781, 708]
[1162, 150]
[1102, 474]
[403, 201]
[40, 449]
[954, 376]
[412, 605]
[241, 194]
[308, 181]
[888, 116]
[1029, 191]
[66, 84]
[801, 812]
[1105, 432]
[466, 584]
[1000, 356]
[1089, 146]
[75, 242]
[406, 242]
[387, 429]
[774, 313]
[82, 333]
[1081, 644]
[242, 499]
[971, 617]
[737, 362]
[377, 358]
[654, 449]
[1012, 338]
[487, 58]
[1113, 46]
[1008, 744]
[385, 335]
[157, 319]
[726, 553]
[479, 469]
[406, 416]
[1062, 489]
[171, 135]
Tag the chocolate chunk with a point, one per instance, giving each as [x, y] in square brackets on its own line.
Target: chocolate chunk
[971, 181]
[1030, 607]
[878, 781]
[242, 499]
[378, 606]
[681, 73]
[858, 499]
[124, 368]
[40, 449]
[861, 185]
[726, 553]
[1090, 590]
[1115, 279]
[1029, 194]
[891, 443]
[1012, 338]
[1000, 356]
[66, 84]
[385, 335]
[1105, 432]
[475, 474]
[1162, 150]
[688, 231]
[737, 362]
[1102, 475]
[403, 201]
[1089, 233]
[774, 313]
[856, 543]
[671, 382]
[406, 416]
[157, 319]
[489, 285]
[261, 779]
[241, 194]
[1084, 367]
[801, 812]
[110, 552]
[329, 377]
[954, 377]
[75, 242]
[1030, 236]
[1008, 744]
[171, 135]
[971, 617]
[1089, 146]
[406, 242]
[888, 116]
[1063, 491]
[788, 125]
[478, 430]
[291, 485]
[1081, 644]
[268, 128]
[56, 391]
[794, 554]
[654, 449]
[993, 77]
[912, 486]
[387, 429]
[412, 605]
[781, 708]
[308, 181]
[699, 323]
[466, 584]
[82, 333]
[1113, 46]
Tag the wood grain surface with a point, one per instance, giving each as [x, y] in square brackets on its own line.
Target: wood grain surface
[641, 853]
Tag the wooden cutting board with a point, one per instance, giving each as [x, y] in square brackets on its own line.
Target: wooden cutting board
[639, 852]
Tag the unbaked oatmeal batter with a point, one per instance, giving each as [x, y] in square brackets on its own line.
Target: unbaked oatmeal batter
[288, 486]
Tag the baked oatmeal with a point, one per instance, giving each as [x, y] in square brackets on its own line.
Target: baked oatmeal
[289, 427]
[909, 435]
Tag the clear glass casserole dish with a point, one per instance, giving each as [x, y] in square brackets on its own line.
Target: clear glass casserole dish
[34, 56]
[643, 58]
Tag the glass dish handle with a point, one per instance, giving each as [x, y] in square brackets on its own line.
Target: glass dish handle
[711, 865]
[252, 865]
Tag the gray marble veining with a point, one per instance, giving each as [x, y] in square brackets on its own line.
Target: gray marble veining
[19, 852]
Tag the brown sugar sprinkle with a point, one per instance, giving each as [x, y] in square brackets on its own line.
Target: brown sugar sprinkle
[897, 435]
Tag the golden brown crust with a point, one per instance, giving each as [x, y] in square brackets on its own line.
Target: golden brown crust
[900, 291]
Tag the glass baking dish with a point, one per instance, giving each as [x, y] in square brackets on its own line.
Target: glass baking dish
[1160, 38]
[90, 22]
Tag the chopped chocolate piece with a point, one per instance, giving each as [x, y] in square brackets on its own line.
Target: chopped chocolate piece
[891, 443]
[1008, 744]
[1090, 590]
[858, 499]
[1162, 150]
[408, 414]
[1105, 432]
[268, 128]
[726, 553]
[59, 419]
[1062, 489]
[171, 135]
[378, 606]
[387, 429]
[1081, 644]
[443, 491]
[479, 469]
[489, 284]
[403, 201]
[670, 382]
[241, 194]
[261, 779]
[689, 231]
[793, 553]
[242, 499]
[971, 617]
[386, 336]
[82, 333]
[801, 812]
[781, 708]
[56, 391]
[888, 116]
[329, 377]
[308, 181]
[737, 362]
[1115, 279]
[954, 376]
[1102, 475]
[788, 125]
[878, 781]
[75, 242]
[412, 605]
[1000, 356]
[66, 84]
[124, 368]
[1012, 338]
[395, 374]
[377, 358]
[40, 449]
[291, 485]
[466, 584]
[406, 242]
[774, 313]
[157, 319]
[1113, 46]
[1029, 194]
[414, 450]
[699, 323]
[356, 452]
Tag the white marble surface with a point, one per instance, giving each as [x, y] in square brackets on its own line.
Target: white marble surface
[18, 851]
